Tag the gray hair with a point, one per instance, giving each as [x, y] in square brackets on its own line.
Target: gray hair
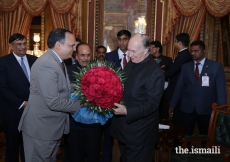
[145, 41]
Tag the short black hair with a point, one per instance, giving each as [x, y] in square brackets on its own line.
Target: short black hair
[183, 38]
[57, 34]
[16, 36]
[124, 32]
[157, 44]
[199, 43]
[101, 47]
[78, 40]
[79, 44]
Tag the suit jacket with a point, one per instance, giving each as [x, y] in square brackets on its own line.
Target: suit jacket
[45, 116]
[195, 96]
[164, 62]
[114, 58]
[73, 68]
[14, 86]
[174, 72]
[142, 94]
[68, 62]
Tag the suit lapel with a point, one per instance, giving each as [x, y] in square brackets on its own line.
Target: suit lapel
[30, 62]
[116, 58]
[207, 65]
[14, 63]
[60, 65]
[191, 68]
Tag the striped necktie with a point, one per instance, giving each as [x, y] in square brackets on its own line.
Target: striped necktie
[24, 68]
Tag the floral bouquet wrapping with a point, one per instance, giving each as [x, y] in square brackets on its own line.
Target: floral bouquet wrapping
[98, 86]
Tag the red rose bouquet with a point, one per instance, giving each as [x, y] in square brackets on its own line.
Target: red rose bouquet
[99, 86]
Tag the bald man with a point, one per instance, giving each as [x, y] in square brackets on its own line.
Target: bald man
[135, 124]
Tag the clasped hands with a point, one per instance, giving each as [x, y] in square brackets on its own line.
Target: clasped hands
[120, 109]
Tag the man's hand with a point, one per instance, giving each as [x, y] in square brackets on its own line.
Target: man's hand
[170, 113]
[120, 110]
[24, 105]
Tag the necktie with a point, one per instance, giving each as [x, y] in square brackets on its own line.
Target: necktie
[63, 67]
[24, 68]
[124, 60]
[197, 72]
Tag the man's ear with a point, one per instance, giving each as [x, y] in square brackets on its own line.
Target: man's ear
[10, 45]
[57, 45]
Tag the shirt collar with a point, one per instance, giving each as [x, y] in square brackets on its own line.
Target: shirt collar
[57, 56]
[201, 62]
[183, 49]
[121, 54]
[19, 58]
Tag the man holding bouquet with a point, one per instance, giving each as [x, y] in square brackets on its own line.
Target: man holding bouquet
[84, 139]
[135, 124]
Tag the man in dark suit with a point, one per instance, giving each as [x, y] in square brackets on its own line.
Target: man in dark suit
[135, 125]
[119, 58]
[201, 83]
[14, 93]
[71, 61]
[181, 43]
[83, 140]
[165, 63]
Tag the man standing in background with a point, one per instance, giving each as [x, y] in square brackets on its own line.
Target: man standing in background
[181, 43]
[14, 93]
[201, 83]
[100, 53]
[119, 58]
[165, 63]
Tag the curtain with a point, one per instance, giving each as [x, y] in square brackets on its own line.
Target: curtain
[16, 21]
[190, 25]
[16, 16]
[188, 16]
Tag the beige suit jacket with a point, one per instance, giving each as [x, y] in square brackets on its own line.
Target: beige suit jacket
[46, 115]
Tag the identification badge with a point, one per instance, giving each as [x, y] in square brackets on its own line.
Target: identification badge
[205, 81]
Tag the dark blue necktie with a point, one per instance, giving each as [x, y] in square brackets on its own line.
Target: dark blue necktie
[24, 68]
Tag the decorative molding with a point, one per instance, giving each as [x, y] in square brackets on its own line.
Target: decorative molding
[42, 31]
[96, 22]
[162, 18]
[153, 26]
[215, 39]
[202, 32]
[85, 20]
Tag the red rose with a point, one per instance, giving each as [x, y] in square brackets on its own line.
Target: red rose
[102, 87]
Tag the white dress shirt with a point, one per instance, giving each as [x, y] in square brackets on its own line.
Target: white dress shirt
[121, 57]
[200, 66]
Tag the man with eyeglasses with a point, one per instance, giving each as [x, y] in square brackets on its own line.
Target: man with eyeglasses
[164, 62]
